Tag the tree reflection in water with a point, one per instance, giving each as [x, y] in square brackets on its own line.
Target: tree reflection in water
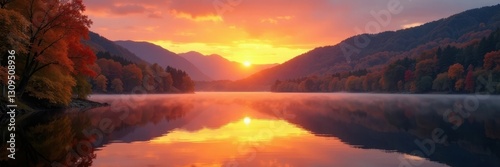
[396, 122]
[56, 138]
[390, 123]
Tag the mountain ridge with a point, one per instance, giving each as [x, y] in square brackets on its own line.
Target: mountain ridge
[219, 68]
[152, 53]
[100, 43]
[398, 44]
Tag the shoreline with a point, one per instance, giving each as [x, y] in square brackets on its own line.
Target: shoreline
[79, 105]
[84, 105]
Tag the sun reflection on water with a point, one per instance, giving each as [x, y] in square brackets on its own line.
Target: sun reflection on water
[259, 131]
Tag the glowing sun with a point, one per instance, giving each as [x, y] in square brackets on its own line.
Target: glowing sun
[247, 64]
[247, 120]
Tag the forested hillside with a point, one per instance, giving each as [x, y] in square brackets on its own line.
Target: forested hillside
[470, 68]
[152, 53]
[99, 43]
[377, 50]
[117, 75]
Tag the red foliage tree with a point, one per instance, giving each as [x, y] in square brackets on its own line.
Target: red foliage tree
[54, 47]
[409, 75]
[469, 82]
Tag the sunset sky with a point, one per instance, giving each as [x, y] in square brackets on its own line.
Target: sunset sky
[257, 31]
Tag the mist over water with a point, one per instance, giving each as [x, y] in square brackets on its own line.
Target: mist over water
[208, 129]
[268, 129]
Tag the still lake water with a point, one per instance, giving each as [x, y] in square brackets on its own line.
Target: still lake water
[279, 130]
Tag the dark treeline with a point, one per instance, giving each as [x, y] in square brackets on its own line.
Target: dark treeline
[472, 68]
[107, 55]
[118, 75]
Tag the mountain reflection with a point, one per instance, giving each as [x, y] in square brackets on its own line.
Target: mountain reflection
[394, 122]
[208, 129]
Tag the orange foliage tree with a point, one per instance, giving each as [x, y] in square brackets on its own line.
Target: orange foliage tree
[492, 61]
[455, 71]
[54, 54]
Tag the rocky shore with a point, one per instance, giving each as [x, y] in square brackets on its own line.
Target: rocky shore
[83, 105]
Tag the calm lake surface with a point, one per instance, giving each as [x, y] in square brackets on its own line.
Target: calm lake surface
[279, 130]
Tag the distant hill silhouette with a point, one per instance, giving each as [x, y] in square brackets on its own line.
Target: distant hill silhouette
[383, 47]
[219, 68]
[99, 43]
[152, 53]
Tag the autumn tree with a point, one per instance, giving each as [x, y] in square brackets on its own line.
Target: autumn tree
[56, 27]
[95, 67]
[151, 80]
[14, 29]
[181, 80]
[102, 83]
[353, 84]
[455, 71]
[340, 85]
[324, 84]
[167, 82]
[117, 85]
[83, 65]
[425, 68]
[82, 88]
[156, 79]
[52, 84]
[188, 84]
[306, 85]
[371, 82]
[332, 84]
[441, 83]
[132, 77]
[408, 76]
[469, 82]
[350, 83]
[492, 61]
[110, 68]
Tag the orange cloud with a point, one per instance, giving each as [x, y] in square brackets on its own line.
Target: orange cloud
[288, 27]
[195, 8]
[214, 18]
